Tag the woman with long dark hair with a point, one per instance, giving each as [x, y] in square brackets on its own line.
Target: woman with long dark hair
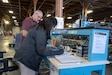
[33, 48]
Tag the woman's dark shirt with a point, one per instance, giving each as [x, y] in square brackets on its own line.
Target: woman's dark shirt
[33, 48]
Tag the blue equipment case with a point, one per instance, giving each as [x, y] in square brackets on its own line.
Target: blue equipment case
[97, 52]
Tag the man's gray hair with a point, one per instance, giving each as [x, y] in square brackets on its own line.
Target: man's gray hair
[38, 11]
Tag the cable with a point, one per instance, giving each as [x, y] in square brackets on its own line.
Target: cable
[41, 4]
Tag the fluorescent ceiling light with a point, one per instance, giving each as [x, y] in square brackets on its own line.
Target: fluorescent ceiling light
[91, 19]
[48, 15]
[69, 17]
[102, 22]
[5, 1]
[15, 20]
[10, 11]
[69, 26]
[13, 17]
[6, 22]
[63, 7]
[110, 16]
[89, 11]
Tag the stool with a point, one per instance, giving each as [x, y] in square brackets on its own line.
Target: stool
[12, 65]
[4, 65]
[8, 65]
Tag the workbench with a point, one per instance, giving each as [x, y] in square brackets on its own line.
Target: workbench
[97, 53]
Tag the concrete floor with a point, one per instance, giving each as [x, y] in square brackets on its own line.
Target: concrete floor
[4, 42]
[4, 46]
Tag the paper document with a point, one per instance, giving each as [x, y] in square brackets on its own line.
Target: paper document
[67, 58]
[99, 43]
